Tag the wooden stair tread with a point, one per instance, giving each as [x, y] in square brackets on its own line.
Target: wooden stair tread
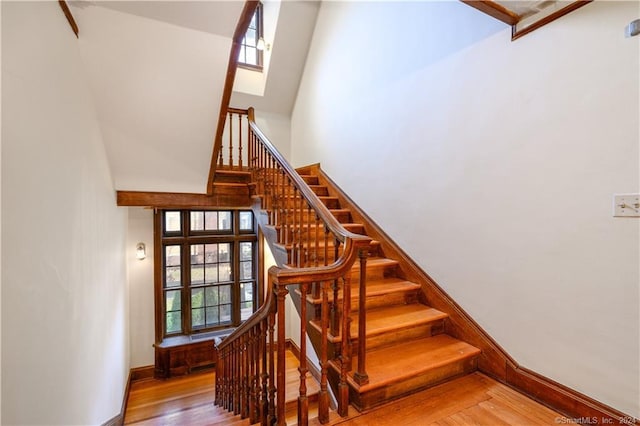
[391, 318]
[375, 262]
[386, 365]
[374, 288]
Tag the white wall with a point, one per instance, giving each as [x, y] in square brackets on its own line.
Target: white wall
[65, 354]
[492, 163]
[140, 279]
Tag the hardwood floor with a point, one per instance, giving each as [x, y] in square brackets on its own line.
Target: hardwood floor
[474, 399]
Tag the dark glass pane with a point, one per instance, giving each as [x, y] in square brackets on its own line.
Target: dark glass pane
[212, 316]
[225, 293]
[172, 255]
[225, 313]
[174, 322]
[246, 221]
[251, 38]
[197, 298]
[211, 296]
[246, 251]
[172, 222]
[173, 276]
[246, 309]
[241, 56]
[197, 317]
[197, 221]
[224, 272]
[173, 301]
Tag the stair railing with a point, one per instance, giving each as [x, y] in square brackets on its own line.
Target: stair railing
[317, 254]
[233, 153]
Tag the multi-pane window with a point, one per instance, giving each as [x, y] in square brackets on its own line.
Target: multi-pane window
[253, 42]
[209, 269]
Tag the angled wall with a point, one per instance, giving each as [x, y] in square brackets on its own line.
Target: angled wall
[65, 347]
[493, 164]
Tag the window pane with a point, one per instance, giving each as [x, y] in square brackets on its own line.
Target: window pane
[224, 272]
[246, 251]
[225, 293]
[172, 222]
[173, 301]
[246, 270]
[251, 53]
[241, 56]
[173, 276]
[224, 252]
[197, 274]
[211, 274]
[174, 324]
[251, 39]
[225, 313]
[212, 316]
[197, 254]
[246, 221]
[197, 317]
[246, 309]
[211, 296]
[211, 220]
[224, 221]
[197, 298]
[172, 255]
[197, 221]
[246, 292]
[211, 253]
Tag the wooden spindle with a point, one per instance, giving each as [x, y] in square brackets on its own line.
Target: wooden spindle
[303, 402]
[271, 418]
[323, 395]
[281, 293]
[360, 376]
[230, 140]
[264, 403]
[240, 141]
[345, 348]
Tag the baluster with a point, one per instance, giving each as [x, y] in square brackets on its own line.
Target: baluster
[360, 376]
[281, 293]
[317, 237]
[230, 140]
[307, 250]
[240, 141]
[345, 350]
[252, 375]
[335, 309]
[238, 379]
[264, 405]
[303, 402]
[300, 242]
[285, 200]
[323, 395]
[244, 374]
[272, 377]
[326, 244]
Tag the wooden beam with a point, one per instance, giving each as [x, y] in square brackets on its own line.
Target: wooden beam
[250, 7]
[517, 33]
[491, 8]
[65, 9]
[171, 200]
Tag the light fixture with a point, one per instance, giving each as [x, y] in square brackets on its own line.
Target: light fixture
[261, 45]
[633, 29]
[141, 251]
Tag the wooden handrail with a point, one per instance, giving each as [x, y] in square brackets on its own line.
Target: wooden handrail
[294, 212]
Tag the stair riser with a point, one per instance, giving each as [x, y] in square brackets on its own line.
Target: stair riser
[232, 179]
[314, 230]
[291, 203]
[293, 216]
[379, 396]
[373, 273]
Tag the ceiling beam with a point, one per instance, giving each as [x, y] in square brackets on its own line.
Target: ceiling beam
[492, 8]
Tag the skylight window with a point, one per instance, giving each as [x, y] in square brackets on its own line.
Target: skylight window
[253, 43]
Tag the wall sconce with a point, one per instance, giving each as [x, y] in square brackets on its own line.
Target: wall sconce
[633, 29]
[262, 45]
[141, 251]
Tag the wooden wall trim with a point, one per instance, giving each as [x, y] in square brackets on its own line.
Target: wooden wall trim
[67, 13]
[575, 405]
[494, 9]
[250, 7]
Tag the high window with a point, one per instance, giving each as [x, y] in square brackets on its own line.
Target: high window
[253, 43]
[207, 278]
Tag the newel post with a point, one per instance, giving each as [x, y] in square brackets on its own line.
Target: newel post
[360, 376]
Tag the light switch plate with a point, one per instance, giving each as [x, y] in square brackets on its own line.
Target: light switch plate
[626, 205]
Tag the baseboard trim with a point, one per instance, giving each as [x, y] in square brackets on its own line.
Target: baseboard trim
[577, 407]
[142, 373]
[135, 374]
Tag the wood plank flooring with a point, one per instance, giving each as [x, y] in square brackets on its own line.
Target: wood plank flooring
[474, 399]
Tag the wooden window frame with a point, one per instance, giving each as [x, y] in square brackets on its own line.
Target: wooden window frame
[260, 34]
[185, 239]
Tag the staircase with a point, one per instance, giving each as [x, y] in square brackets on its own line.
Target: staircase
[407, 348]
[380, 327]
